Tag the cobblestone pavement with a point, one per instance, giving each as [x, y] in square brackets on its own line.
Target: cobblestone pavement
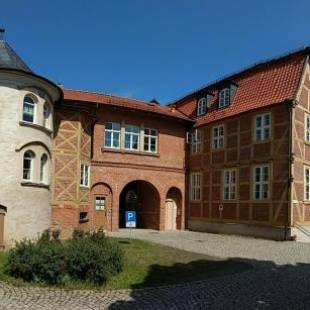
[279, 280]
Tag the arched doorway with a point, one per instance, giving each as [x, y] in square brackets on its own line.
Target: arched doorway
[101, 211]
[173, 218]
[142, 197]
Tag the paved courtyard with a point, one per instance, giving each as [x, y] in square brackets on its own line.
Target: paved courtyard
[279, 280]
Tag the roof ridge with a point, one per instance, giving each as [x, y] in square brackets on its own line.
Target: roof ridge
[105, 94]
[243, 70]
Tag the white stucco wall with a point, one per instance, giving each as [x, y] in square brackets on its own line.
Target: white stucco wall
[28, 204]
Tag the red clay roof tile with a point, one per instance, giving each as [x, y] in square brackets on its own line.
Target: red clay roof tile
[268, 83]
[129, 103]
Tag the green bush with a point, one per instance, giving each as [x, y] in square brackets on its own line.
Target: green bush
[85, 257]
[93, 258]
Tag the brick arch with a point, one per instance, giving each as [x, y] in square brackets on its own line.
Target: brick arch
[143, 197]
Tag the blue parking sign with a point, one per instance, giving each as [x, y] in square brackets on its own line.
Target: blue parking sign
[130, 218]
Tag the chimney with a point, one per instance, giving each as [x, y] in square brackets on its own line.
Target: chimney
[2, 30]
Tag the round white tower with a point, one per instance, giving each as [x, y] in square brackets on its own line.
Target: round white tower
[26, 133]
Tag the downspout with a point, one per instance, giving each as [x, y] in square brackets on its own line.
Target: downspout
[287, 234]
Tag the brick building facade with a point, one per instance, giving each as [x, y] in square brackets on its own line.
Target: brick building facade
[231, 157]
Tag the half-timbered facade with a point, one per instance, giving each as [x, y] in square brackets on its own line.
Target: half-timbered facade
[231, 157]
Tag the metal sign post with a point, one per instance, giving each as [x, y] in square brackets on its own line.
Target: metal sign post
[130, 219]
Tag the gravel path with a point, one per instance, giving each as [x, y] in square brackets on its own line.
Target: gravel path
[279, 280]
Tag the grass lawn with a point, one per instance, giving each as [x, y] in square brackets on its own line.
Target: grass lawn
[148, 264]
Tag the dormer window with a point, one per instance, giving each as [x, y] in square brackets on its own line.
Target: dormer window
[202, 106]
[224, 97]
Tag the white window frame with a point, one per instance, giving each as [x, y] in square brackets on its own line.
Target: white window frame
[114, 132]
[131, 135]
[196, 140]
[44, 169]
[149, 137]
[260, 132]
[202, 106]
[229, 183]
[46, 115]
[195, 186]
[307, 128]
[30, 170]
[224, 97]
[218, 137]
[31, 104]
[307, 183]
[100, 203]
[261, 183]
[84, 180]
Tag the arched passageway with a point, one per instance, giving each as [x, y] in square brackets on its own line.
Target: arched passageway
[142, 197]
[173, 210]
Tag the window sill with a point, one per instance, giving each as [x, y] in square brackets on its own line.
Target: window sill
[34, 184]
[36, 126]
[84, 187]
[122, 151]
[83, 221]
[262, 141]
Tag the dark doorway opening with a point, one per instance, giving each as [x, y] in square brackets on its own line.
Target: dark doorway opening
[142, 197]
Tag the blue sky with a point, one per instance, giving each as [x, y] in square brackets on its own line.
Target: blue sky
[146, 49]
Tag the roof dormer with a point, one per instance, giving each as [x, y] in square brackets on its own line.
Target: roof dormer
[203, 103]
[226, 94]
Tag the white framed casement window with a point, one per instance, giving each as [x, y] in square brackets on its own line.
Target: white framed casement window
[112, 135]
[196, 141]
[202, 106]
[229, 184]
[84, 182]
[307, 182]
[28, 164]
[46, 115]
[261, 182]
[218, 137]
[307, 128]
[132, 137]
[195, 186]
[150, 140]
[44, 169]
[28, 110]
[262, 127]
[224, 97]
[100, 203]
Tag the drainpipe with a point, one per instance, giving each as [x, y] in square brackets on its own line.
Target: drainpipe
[290, 106]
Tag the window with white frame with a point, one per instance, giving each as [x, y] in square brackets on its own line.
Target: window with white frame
[150, 140]
[202, 106]
[229, 184]
[112, 135]
[307, 182]
[84, 175]
[307, 129]
[100, 203]
[196, 141]
[195, 186]
[218, 137]
[262, 127]
[132, 137]
[261, 182]
[44, 169]
[224, 97]
[28, 161]
[46, 115]
[28, 109]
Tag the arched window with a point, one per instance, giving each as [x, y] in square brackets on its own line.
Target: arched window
[46, 115]
[202, 106]
[28, 165]
[44, 169]
[28, 109]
